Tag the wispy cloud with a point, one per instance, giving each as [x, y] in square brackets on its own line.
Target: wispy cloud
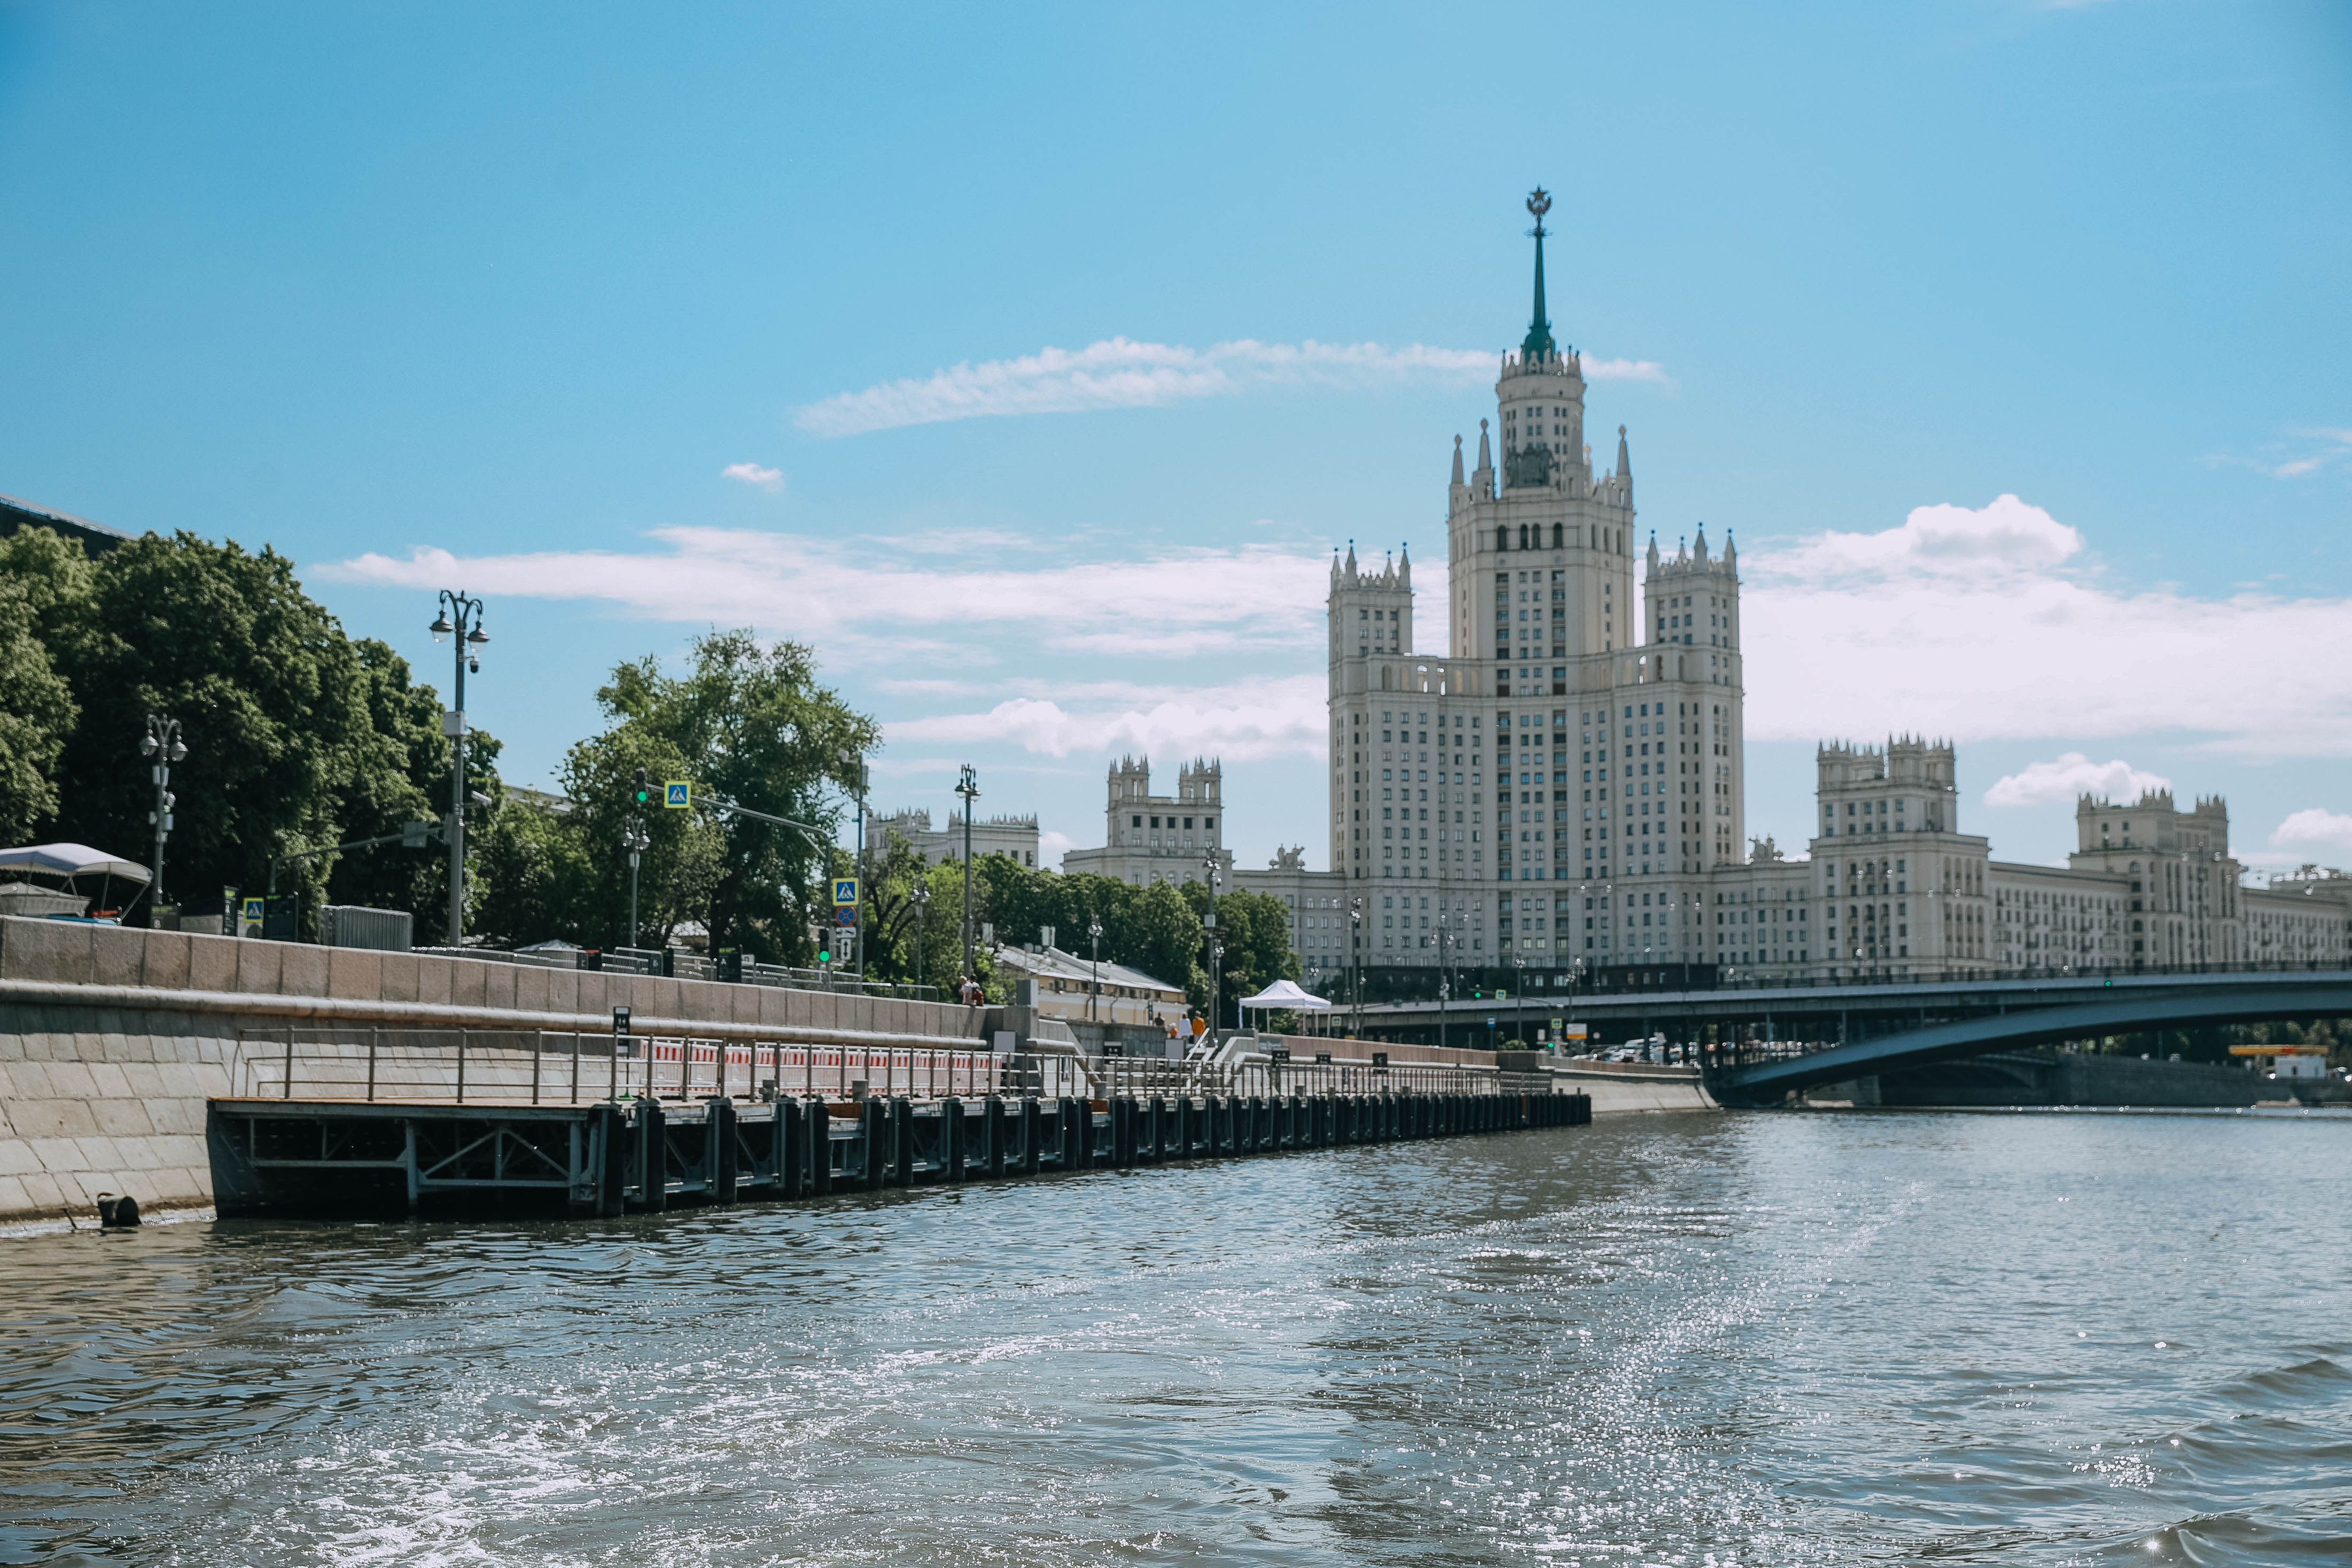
[2072, 775]
[1120, 373]
[1170, 604]
[769, 480]
[1256, 717]
[2314, 829]
[1989, 623]
[2314, 451]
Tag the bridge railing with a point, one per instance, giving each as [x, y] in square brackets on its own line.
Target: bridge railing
[1876, 977]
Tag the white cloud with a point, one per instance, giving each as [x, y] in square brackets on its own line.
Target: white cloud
[1173, 604]
[2074, 774]
[1052, 846]
[1985, 624]
[2314, 829]
[2007, 536]
[769, 480]
[2332, 447]
[1627, 370]
[1120, 373]
[1261, 717]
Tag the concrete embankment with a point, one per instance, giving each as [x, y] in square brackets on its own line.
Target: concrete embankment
[113, 1041]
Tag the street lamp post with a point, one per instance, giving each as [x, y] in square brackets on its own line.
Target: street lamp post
[857, 931]
[461, 621]
[1356, 960]
[922, 922]
[1094, 936]
[1519, 985]
[636, 840]
[968, 787]
[1216, 946]
[162, 743]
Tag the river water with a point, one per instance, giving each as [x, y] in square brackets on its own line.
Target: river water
[1670, 1339]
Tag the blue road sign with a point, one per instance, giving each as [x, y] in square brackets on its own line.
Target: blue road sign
[678, 794]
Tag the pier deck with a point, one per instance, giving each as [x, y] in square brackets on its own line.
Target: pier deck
[347, 1157]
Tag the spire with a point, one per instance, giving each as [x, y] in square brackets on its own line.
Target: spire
[1457, 462]
[1485, 458]
[1538, 345]
[1702, 542]
[1653, 552]
[1624, 464]
[1351, 558]
[1404, 565]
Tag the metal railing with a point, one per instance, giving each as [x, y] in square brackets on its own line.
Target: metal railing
[693, 967]
[524, 1067]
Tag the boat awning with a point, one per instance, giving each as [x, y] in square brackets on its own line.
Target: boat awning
[69, 861]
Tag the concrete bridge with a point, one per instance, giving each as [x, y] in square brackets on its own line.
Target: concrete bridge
[1773, 1041]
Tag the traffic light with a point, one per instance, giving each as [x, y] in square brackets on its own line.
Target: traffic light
[823, 957]
[645, 788]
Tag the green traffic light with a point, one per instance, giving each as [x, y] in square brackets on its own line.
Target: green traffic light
[823, 956]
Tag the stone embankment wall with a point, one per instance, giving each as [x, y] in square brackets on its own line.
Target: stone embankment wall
[111, 1040]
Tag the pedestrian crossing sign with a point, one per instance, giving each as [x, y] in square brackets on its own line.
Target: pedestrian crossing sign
[678, 794]
[845, 890]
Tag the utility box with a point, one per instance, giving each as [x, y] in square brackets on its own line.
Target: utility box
[352, 925]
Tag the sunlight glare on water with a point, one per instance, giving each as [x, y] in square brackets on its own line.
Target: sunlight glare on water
[1688, 1339]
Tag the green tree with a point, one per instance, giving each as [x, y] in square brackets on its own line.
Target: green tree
[534, 876]
[36, 715]
[682, 867]
[1256, 930]
[289, 723]
[760, 732]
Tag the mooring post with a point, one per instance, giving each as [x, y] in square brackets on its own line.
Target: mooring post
[718, 1169]
[817, 1148]
[784, 1146]
[1033, 1122]
[902, 1135]
[653, 1157]
[612, 1157]
[951, 1138]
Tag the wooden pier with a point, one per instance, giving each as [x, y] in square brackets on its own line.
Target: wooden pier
[348, 1157]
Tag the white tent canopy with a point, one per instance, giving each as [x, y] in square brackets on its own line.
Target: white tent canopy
[70, 861]
[1285, 996]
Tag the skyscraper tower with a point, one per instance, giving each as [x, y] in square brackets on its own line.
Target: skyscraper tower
[1579, 744]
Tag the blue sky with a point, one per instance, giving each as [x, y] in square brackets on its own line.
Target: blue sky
[497, 296]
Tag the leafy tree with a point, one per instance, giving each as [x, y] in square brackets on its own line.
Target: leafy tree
[534, 877]
[280, 711]
[1255, 929]
[761, 732]
[682, 867]
[37, 713]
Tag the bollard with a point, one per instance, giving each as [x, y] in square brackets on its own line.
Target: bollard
[816, 1149]
[951, 1138]
[1184, 1131]
[785, 1147]
[873, 1140]
[612, 1158]
[902, 1141]
[1032, 1124]
[719, 1151]
[992, 1122]
[653, 1157]
[1156, 1128]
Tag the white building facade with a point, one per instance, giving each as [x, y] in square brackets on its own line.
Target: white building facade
[1558, 789]
[1151, 838]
